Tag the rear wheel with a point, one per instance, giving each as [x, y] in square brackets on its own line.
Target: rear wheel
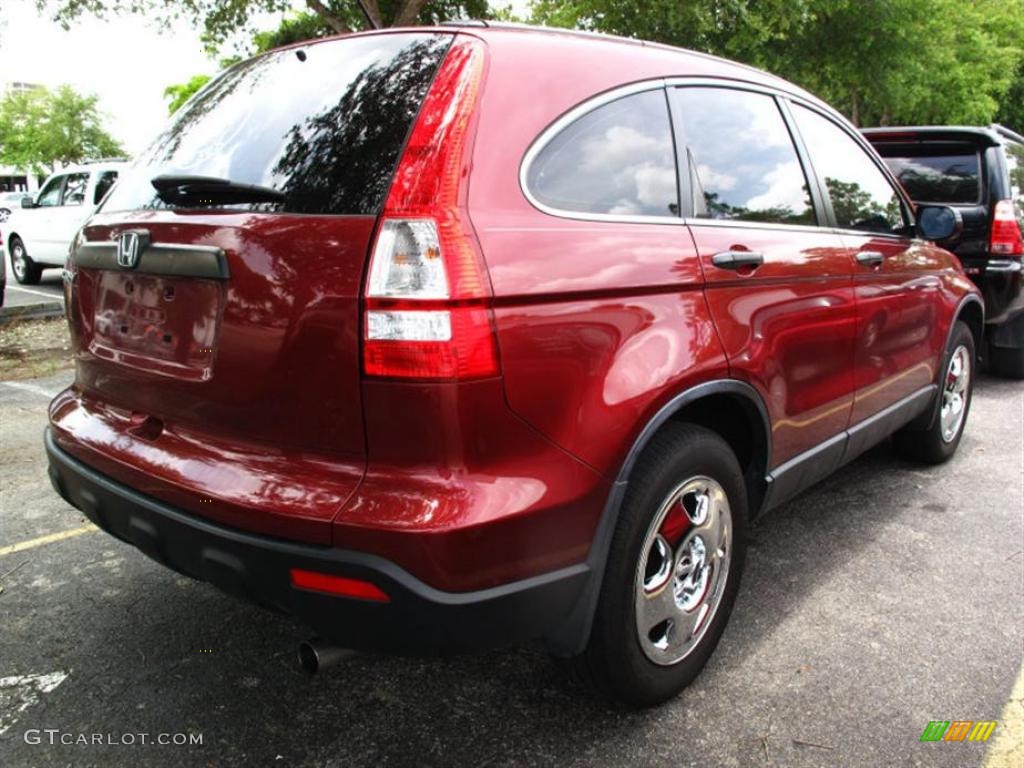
[26, 271]
[939, 442]
[673, 569]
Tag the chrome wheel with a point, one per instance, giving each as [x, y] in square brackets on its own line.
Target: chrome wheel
[682, 571]
[955, 393]
[18, 263]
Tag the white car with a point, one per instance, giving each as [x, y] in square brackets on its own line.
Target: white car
[38, 234]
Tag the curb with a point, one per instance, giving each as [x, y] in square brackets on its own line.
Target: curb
[31, 311]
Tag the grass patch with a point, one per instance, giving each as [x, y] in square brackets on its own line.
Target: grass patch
[32, 349]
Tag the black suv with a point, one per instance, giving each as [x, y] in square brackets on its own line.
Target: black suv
[980, 172]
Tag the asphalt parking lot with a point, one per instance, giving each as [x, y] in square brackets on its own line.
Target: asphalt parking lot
[46, 298]
[887, 597]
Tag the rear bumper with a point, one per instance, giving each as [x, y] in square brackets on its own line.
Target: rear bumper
[416, 619]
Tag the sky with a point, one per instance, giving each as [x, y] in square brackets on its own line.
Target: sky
[125, 60]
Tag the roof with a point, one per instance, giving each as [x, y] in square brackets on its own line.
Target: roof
[990, 135]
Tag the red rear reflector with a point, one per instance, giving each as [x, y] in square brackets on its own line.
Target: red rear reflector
[338, 585]
[1006, 239]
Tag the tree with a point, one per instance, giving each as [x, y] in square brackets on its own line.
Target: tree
[182, 92]
[1011, 112]
[222, 18]
[879, 61]
[40, 128]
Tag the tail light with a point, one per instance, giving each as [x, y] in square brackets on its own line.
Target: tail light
[427, 296]
[1006, 237]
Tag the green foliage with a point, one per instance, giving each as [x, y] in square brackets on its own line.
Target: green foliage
[880, 61]
[220, 19]
[178, 94]
[1011, 112]
[40, 128]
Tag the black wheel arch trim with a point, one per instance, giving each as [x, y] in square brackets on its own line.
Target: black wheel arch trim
[572, 636]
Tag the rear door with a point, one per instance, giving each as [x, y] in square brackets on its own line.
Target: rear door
[898, 286]
[236, 325]
[779, 287]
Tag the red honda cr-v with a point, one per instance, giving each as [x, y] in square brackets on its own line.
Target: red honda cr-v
[457, 337]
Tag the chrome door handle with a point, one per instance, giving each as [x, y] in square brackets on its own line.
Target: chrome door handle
[870, 258]
[737, 259]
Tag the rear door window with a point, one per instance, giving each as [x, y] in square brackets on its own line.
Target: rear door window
[862, 197]
[74, 189]
[324, 124]
[742, 160]
[616, 160]
[936, 173]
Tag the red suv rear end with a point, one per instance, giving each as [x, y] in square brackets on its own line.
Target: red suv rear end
[382, 334]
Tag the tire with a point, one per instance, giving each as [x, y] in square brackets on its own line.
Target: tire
[938, 442]
[642, 580]
[26, 271]
[1006, 362]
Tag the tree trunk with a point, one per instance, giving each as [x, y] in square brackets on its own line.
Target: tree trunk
[855, 109]
[371, 10]
[334, 22]
[886, 116]
[408, 13]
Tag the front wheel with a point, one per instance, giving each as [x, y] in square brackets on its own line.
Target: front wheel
[26, 271]
[673, 569]
[939, 442]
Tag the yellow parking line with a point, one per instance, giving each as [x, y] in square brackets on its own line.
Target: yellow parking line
[48, 539]
[1007, 751]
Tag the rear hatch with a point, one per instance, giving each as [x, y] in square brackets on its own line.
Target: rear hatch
[215, 313]
[945, 168]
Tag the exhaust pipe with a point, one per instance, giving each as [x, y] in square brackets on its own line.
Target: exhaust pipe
[316, 655]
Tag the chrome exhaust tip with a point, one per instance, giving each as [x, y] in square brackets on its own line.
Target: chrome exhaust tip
[316, 655]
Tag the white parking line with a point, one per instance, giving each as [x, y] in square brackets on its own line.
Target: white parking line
[33, 388]
[55, 296]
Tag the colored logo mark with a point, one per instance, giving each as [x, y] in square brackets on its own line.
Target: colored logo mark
[958, 730]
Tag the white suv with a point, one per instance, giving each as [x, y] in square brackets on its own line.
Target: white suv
[37, 235]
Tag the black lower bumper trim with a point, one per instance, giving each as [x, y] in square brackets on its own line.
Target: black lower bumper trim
[418, 618]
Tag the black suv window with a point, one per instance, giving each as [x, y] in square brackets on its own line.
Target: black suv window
[617, 159]
[743, 162]
[1015, 166]
[935, 172]
[862, 197]
[323, 124]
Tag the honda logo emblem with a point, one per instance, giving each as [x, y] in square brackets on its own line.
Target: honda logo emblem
[130, 246]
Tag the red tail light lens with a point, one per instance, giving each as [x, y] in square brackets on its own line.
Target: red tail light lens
[1006, 237]
[427, 312]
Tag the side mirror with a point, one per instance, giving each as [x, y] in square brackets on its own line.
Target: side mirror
[28, 202]
[939, 222]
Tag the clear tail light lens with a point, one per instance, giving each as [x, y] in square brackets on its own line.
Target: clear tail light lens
[1006, 239]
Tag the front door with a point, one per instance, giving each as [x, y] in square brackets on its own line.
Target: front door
[897, 278]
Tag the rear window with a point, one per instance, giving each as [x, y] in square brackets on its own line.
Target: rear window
[323, 124]
[950, 174]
